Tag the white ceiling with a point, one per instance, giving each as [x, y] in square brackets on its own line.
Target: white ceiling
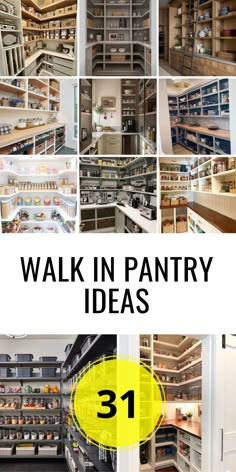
[171, 89]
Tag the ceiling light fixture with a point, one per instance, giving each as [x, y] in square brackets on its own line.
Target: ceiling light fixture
[180, 83]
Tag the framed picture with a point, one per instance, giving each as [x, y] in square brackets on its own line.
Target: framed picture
[108, 102]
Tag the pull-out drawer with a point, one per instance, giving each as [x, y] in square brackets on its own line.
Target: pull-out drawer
[62, 70]
[63, 62]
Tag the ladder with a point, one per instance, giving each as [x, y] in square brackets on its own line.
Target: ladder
[192, 20]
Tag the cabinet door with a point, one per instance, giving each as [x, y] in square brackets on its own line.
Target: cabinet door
[113, 145]
[224, 389]
[101, 146]
[120, 221]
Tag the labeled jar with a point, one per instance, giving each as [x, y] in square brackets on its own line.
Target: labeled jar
[41, 435]
[34, 435]
[7, 420]
[36, 420]
[15, 420]
[49, 435]
[43, 420]
[19, 435]
[21, 420]
[27, 435]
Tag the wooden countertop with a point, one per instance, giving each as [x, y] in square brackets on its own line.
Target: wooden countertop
[18, 135]
[220, 133]
[192, 427]
[223, 223]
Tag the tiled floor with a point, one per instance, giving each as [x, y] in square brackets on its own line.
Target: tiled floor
[181, 151]
[165, 69]
[33, 466]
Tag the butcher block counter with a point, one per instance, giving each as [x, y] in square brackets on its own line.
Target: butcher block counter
[191, 427]
[19, 134]
[224, 224]
[220, 133]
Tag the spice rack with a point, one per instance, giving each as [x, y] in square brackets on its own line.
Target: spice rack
[85, 349]
[12, 424]
[12, 60]
[36, 192]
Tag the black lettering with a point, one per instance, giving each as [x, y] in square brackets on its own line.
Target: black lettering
[49, 270]
[189, 268]
[141, 299]
[30, 268]
[129, 267]
[75, 269]
[206, 268]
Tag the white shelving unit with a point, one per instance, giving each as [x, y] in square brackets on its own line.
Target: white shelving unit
[23, 172]
[12, 60]
[202, 175]
[172, 357]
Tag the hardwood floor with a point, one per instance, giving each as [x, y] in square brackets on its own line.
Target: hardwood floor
[181, 151]
[166, 70]
[33, 466]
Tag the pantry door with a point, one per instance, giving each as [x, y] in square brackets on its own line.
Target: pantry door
[226, 405]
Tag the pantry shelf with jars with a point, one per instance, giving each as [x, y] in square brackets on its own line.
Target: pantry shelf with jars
[32, 119]
[184, 182]
[38, 195]
[31, 419]
[177, 360]
[78, 450]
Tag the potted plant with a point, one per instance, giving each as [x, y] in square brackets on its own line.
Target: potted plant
[99, 110]
[189, 415]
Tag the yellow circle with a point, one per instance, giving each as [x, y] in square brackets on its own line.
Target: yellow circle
[117, 402]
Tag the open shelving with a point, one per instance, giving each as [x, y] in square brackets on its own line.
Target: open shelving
[12, 60]
[211, 38]
[38, 193]
[20, 411]
[171, 357]
[118, 38]
[86, 348]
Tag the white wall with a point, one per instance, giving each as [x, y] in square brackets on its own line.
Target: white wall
[36, 345]
[108, 88]
[219, 203]
[66, 114]
[185, 407]
[164, 120]
[12, 116]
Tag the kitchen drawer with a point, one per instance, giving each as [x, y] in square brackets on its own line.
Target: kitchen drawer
[88, 226]
[87, 214]
[58, 69]
[105, 212]
[112, 139]
[39, 148]
[107, 223]
[63, 62]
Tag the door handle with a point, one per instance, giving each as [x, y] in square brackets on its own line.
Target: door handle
[221, 444]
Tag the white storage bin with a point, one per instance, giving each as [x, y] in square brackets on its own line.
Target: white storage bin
[25, 451]
[47, 451]
[6, 451]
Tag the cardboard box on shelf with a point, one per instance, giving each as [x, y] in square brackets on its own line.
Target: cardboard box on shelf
[118, 58]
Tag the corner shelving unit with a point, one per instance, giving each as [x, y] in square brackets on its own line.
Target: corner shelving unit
[11, 57]
[36, 192]
[201, 175]
[103, 180]
[86, 96]
[77, 358]
[55, 26]
[123, 43]
[173, 358]
[22, 411]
